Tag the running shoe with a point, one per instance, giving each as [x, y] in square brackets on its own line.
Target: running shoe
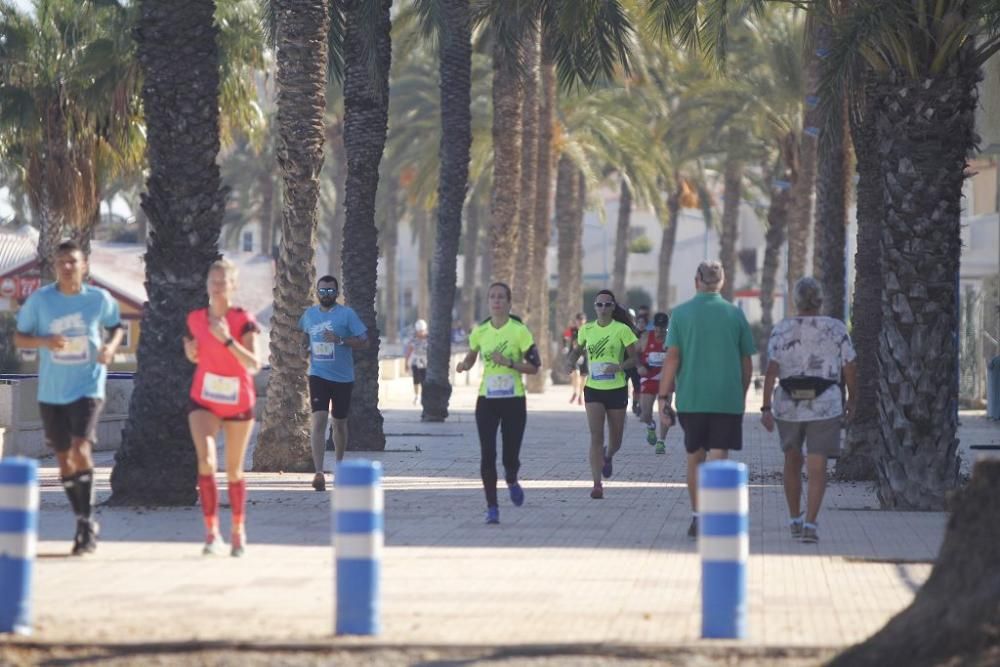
[607, 469]
[650, 434]
[85, 540]
[319, 482]
[809, 535]
[516, 494]
[239, 543]
[661, 448]
[493, 514]
[213, 546]
[597, 493]
[693, 528]
[795, 526]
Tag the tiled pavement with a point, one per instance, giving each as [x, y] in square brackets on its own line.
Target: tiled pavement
[561, 569]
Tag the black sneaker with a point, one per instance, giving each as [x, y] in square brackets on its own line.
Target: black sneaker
[319, 482]
[85, 541]
[693, 528]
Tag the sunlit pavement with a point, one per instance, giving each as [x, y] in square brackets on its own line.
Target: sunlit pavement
[561, 569]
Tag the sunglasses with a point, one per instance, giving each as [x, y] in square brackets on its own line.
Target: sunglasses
[327, 290]
[603, 304]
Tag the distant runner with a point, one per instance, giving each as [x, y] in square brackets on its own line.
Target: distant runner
[652, 352]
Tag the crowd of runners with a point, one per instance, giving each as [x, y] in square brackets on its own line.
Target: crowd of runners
[700, 353]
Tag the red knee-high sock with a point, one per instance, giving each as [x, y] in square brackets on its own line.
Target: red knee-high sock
[237, 503]
[209, 493]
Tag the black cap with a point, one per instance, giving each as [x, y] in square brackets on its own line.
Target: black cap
[661, 320]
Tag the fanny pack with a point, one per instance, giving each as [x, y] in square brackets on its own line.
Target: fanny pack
[804, 388]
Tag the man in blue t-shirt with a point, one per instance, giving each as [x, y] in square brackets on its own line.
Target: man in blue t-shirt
[64, 321]
[332, 333]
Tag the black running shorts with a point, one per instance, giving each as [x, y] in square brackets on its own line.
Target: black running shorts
[323, 392]
[711, 430]
[62, 423]
[612, 399]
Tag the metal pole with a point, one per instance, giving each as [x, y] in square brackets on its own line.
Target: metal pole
[357, 542]
[18, 542]
[724, 545]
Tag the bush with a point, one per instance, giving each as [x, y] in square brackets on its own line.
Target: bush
[640, 245]
[10, 362]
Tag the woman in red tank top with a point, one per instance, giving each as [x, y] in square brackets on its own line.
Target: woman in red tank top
[651, 356]
[221, 341]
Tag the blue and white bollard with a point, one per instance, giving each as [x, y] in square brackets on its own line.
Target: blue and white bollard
[724, 545]
[18, 542]
[357, 543]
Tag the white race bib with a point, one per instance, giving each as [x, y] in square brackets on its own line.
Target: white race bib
[499, 386]
[655, 359]
[220, 389]
[75, 351]
[599, 371]
[323, 351]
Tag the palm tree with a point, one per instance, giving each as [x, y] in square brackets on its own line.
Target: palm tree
[301, 34]
[530, 79]
[179, 55]
[68, 110]
[924, 64]
[455, 58]
[367, 58]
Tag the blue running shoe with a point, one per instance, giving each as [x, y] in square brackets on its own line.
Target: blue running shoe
[493, 514]
[607, 470]
[516, 494]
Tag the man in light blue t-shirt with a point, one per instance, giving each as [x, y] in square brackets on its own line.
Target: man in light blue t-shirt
[66, 321]
[332, 333]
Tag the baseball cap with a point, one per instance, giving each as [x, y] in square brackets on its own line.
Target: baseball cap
[420, 325]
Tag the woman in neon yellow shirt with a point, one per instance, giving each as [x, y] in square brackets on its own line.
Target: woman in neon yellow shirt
[508, 350]
[610, 346]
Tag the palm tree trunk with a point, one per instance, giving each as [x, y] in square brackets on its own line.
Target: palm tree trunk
[424, 244]
[470, 253]
[861, 444]
[925, 133]
[733, 178]
[782, 197]
[266, 184]
[621, 241]
[801, 211]
[366, 114]
[833, 184]
[283, 442]
[568, 232]
[668, 240]
[335, 138]
[390, 249]
[539, 274]
[455, 53]
[954, 616]
[507, 99]
[179, 56]
[529, 167]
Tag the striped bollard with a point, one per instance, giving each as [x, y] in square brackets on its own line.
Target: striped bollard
[18, 541]
[357, 543]
[724, 545]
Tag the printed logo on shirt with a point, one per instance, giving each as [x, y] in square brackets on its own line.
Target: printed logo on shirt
[77, 347]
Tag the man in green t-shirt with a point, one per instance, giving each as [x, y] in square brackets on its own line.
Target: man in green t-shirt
[709, 361]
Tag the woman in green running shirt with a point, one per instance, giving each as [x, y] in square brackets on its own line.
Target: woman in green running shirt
[508, 351]
[610, 346]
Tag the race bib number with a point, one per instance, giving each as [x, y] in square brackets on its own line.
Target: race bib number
[602, 370]
[499, 386]
[323, 351]
[655, 359]
[220, 389]
[75, 351]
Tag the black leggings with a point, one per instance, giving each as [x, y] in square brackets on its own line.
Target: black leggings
[510, 414]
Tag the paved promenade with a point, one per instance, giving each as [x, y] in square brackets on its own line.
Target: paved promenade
[563, 569]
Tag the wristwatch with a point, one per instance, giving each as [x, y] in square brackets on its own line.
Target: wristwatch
[765, 408]
[230, 342]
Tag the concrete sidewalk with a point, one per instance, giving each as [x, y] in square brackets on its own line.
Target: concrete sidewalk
[562, 569]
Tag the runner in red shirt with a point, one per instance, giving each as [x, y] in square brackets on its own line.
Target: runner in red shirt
[652, 353]
[221, 340]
